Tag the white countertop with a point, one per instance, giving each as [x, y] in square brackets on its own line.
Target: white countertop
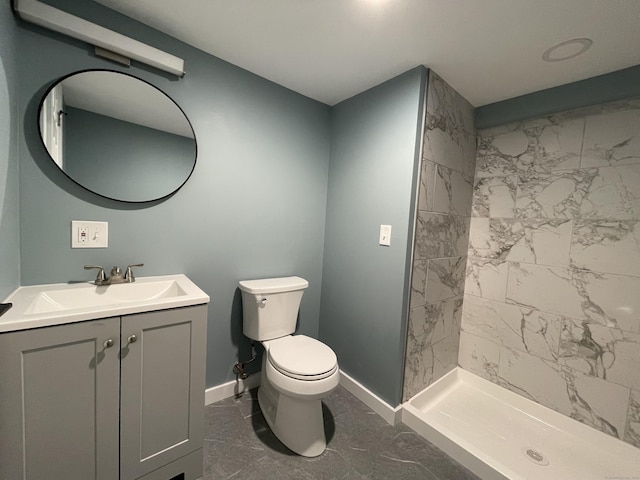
[55, 304]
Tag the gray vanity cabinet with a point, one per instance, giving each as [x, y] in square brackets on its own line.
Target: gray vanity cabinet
[162, 391]
[104, 399]
[59, 402]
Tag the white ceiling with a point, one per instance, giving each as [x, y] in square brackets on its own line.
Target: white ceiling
[330, 50]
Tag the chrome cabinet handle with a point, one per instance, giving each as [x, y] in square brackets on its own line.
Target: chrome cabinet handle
[132, 339]
[108, 343]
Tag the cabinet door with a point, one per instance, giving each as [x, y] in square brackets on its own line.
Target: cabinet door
[162, 388]
[59, 400]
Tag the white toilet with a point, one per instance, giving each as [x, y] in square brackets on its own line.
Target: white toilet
[297, 371]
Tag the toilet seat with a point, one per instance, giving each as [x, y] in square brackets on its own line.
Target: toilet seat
[302, 358]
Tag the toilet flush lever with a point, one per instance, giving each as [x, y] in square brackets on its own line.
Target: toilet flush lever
[262, 302]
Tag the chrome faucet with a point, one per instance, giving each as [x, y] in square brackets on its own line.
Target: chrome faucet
[115, 276]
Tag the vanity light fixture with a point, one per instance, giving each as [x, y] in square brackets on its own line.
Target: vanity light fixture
[566, 50]
[108, 43]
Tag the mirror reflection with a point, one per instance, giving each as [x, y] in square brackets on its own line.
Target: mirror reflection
[117, 136]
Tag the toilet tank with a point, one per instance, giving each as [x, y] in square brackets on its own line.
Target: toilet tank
[270, 306]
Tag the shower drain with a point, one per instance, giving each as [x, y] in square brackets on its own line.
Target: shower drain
[535, 456]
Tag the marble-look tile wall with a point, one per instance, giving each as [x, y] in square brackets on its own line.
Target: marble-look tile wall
[552, 295]
[442, 233]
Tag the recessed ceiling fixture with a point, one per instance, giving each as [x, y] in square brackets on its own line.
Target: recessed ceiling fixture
[566, 50]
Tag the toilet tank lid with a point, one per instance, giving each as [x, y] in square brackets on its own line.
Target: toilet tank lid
[273, 285]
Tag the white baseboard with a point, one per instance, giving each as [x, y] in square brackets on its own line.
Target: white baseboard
[390, 414]
[231, 389]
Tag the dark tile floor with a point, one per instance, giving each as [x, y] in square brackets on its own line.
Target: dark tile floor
[360, 445]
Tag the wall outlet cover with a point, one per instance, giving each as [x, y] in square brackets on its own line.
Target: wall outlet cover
[89, 234]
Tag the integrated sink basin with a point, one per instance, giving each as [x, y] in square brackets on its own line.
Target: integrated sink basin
[44, 305]
[98, 296]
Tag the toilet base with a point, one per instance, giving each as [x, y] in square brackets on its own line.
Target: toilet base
[297, 423]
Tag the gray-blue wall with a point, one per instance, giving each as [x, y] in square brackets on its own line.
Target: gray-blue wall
[122, 160]
[254, 207]
[372, 181]
[9, 219]
[609, 87]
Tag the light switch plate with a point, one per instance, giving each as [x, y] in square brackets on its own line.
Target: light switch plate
[385, 235]
[86, 234]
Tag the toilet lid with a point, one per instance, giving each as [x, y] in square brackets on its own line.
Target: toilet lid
[302, 357]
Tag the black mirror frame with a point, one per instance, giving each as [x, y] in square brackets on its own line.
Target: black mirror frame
[61, 79]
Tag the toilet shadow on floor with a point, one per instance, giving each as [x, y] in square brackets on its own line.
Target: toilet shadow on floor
[266, 436]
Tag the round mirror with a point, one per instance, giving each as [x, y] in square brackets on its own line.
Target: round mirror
[117, 136]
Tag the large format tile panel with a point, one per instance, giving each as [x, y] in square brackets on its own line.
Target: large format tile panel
[441, 237]
[603, 298]
[590, 400]
[611, 193]
[544, 242]
[601, 351]
[610, 246]
[452, 192]
[511, 326]
[445, 278]
[537, 148]
[551, 307]
[612, 139]
[450, 137]
[495, 196]
[487, 278]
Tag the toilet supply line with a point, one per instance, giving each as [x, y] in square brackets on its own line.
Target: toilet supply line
[238, 368]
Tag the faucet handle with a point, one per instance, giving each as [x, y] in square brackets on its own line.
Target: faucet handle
[101, 278]
[128, 275]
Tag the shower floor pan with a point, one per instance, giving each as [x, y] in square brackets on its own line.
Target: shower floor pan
[498, 434]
